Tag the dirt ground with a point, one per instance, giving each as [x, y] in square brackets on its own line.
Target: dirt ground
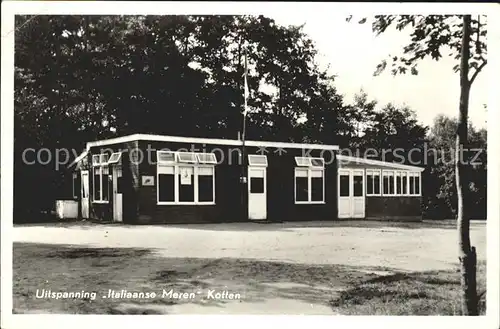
[402, 247]
[290, 268]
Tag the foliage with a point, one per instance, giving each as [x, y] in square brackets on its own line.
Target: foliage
[82, 78]
[440, 177]
[433, 36]
[430, 36]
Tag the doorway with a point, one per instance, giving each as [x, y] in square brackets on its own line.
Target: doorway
[117, 194]
[351, 193]
[85, 193]
[257, 193]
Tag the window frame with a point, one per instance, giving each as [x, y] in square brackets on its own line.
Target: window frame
[176, 165]
[74, 178]
[94, 161]
[101, 163]
[117, 161]
[343, 172]
[211, 161]
[392, 174]
[402, 173]
[194, 159]
[309, 169]
[308, 162]
[255, 156]
[197, 184]
[417, 175]
[406, 191]
[165, 162]
[373, 173]
[398, 173]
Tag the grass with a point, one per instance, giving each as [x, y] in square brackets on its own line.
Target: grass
[345, 289]
[421, 293]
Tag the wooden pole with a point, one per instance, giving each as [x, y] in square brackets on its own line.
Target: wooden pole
[243, 178]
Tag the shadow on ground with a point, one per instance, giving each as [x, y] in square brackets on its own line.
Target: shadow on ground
[67, 268]
[337, 288]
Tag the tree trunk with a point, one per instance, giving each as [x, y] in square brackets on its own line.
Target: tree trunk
[467, 254]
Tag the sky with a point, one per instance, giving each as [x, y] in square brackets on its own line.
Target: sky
[353, 51]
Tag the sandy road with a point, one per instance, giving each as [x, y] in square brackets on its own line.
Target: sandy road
[410, 249]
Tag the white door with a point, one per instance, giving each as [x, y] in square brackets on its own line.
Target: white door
[344, 192]
[85, 193]
[257, 193]
[351, 192]
[117, 194]
[358, 195]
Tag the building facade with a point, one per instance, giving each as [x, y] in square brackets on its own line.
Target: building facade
[147, 179]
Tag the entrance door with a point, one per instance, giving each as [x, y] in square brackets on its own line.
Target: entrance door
[85, 193]
[257, 193]
[351, 202]
[358, 195]
[344, 187]
[117, 194]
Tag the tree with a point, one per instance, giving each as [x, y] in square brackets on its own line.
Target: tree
[441, 193]
[465, 39]
[362, 115]
[397, 130]
[328, 118]
[81, 78]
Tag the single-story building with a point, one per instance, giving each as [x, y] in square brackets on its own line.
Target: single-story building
[143, 179]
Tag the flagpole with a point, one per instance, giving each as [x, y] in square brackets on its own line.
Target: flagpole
[244, 182]
[245, 103]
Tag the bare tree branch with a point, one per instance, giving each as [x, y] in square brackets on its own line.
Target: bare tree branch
[477, 72]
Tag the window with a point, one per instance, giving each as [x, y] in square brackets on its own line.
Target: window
[257, 160]
[185, 178]
[96, 158]
[318, 162]
[187, 157]
[165, 157]
[310, 162]
[115, 158]
[256, 185]
[344, 184]
[186, 183]
[309, 180]
[119, 181]
[357, 188]
[303, 162]
[401, 183]
[372, 182]
[301, 185]
[206, 158]
[405, 183]
[317, 185]
[388, 182]
[100, 177]
[206, 184]
[414, 179]
[76, 186]
[166, 183]
[85, 184]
